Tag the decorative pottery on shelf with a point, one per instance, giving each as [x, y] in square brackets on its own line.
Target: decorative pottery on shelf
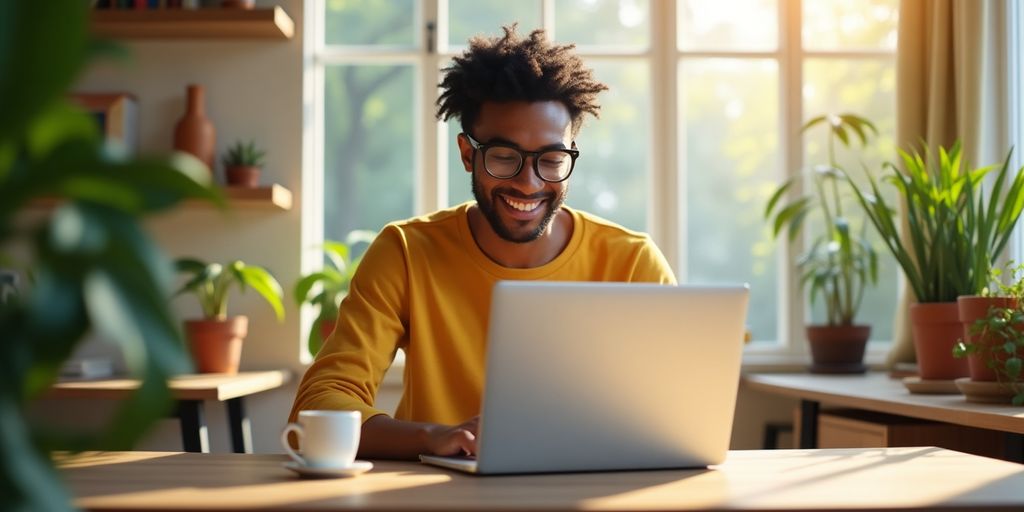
[194, 132]
[247, 176]
[838, 348]
[936, 328]
[216, 345]
[238, 4]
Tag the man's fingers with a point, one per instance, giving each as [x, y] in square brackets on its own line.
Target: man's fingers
[467, 441]
[458, 441]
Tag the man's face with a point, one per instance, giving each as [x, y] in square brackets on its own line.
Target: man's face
[518, 209]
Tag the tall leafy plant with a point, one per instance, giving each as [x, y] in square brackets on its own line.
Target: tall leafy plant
[325, 288]
[955, 229]
[92, 266]
[840, 264]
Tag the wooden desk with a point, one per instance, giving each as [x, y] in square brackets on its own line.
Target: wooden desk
[877, 392]
[854, 479]
[191, 391]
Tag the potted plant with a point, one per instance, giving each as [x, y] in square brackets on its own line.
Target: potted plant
[955, 232]
[993, 341]
[215, 340]
[242, 164]
[325, 288]
[93, 267]
[839, 264]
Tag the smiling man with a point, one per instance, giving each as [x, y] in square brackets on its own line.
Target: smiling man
[424, 285]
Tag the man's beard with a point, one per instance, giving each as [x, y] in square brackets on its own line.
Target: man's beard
[487, 205]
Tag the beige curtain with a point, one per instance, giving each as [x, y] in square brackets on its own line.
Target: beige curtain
[950, 84]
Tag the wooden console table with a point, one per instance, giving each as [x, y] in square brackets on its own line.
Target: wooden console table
[191, 391]
[878, 392]
[920, 478]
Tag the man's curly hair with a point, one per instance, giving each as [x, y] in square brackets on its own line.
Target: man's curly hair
[511, 68]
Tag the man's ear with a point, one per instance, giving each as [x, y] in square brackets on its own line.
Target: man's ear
[466, 151]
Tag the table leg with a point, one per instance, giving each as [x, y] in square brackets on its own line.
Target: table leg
[241, 428]
[1014, 450]
[194, 435]
[808, 424]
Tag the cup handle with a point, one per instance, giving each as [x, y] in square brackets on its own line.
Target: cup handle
[299, 433]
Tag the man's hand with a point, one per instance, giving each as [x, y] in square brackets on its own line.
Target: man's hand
[387, 438]
[458, 440]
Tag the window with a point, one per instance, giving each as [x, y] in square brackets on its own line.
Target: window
[701, 122]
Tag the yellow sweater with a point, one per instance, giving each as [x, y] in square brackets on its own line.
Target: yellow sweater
[425, 287]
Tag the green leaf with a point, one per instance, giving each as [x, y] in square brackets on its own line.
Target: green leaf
[42, 48]
[264, 284]
[1012, 367]
[774, 199]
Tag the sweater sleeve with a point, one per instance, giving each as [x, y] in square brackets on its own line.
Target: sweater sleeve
[372, 325]
[650, 265]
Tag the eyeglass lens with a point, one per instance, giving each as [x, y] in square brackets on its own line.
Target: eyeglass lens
[504, 162]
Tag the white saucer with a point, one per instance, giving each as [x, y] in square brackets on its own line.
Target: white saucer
[357, 468]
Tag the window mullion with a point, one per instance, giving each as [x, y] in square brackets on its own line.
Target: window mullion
[665, 210]
[792, 308]
[431, 180]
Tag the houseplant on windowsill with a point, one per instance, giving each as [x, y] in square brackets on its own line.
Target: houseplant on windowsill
[325, 288]
[242, 164]
[956, 231]
[216, 340]
[839, 264]
[993, 341]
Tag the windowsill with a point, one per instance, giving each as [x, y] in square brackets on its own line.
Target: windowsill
[762, 361]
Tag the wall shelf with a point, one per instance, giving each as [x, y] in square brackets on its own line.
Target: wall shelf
[272, 197]
[212, 23]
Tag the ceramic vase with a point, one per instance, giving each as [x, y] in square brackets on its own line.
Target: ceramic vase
[194, 132]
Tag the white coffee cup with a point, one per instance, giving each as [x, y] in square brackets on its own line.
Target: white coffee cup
[327, 439]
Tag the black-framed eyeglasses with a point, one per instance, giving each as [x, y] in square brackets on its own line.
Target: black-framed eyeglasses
[504, 161]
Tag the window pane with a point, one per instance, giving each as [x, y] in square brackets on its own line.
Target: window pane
[603, 22]
[468, 18]
[368, 146]
[866, 88]
[731, 119]
[460, 185]
[370, 22]
[716, 25]
[850, 24]
[612, 176]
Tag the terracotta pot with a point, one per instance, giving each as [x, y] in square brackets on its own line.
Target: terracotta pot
[973, 308]
[216, 345]
[838, 348]
[194, 133]
[247, 176]
[238, 4]
[936, 328]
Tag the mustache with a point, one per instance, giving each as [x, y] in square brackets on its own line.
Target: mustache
[515, 194]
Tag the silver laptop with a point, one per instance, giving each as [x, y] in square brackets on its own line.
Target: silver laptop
[607, 376]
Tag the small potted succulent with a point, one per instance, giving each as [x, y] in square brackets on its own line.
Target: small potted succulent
[840, 263]
[238, 4]
[325, 288]
[993, 341]
[215, 340]
[242, 164]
